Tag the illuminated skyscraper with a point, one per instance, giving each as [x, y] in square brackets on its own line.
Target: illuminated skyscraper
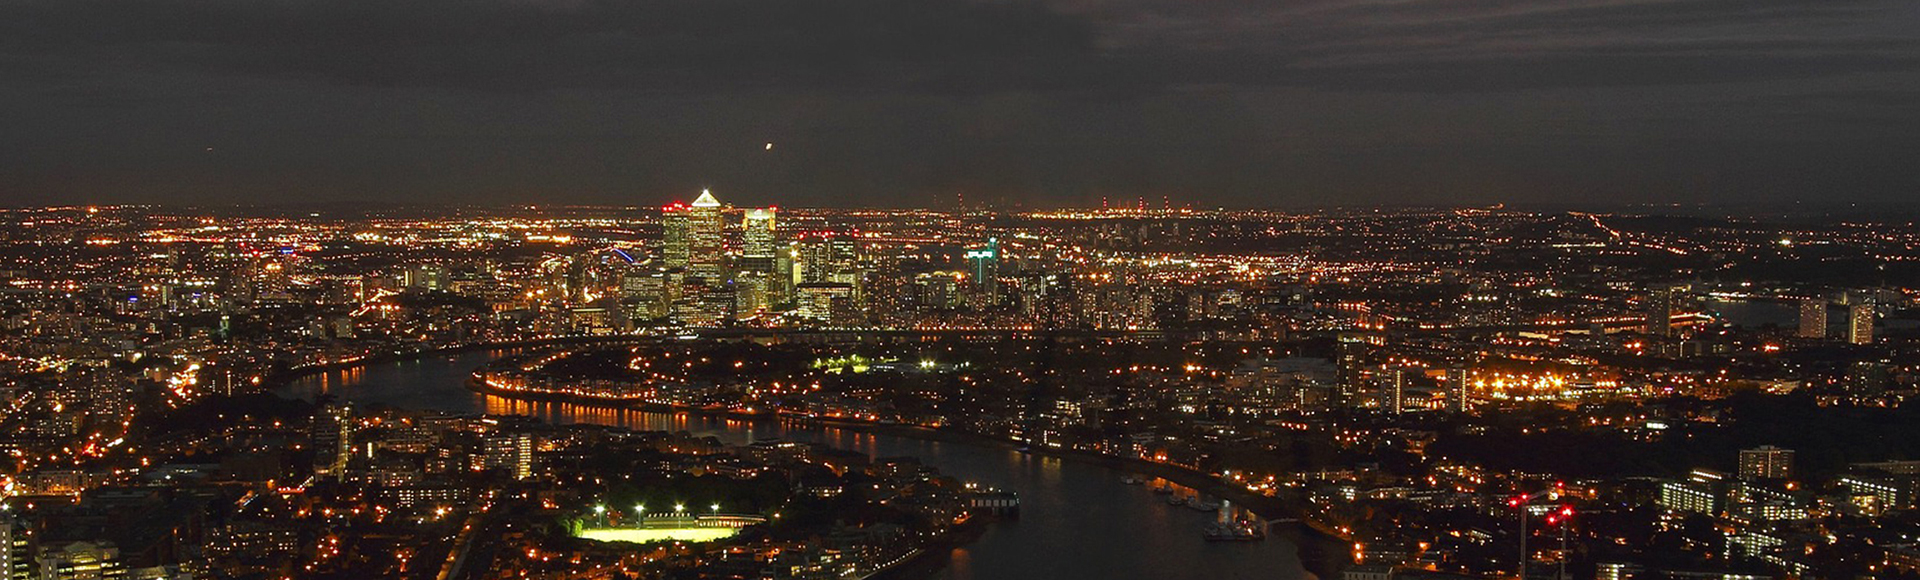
[1766, 462]
[1662, 301]
[1395, 391]
[758, 233]
[1860, 323]
[1813, 318]
[675, 238]
[512, 452]
[1457, 389]
[706, 244]
[1350, 351]
[983, 265]
[830, 259]
[760, 281]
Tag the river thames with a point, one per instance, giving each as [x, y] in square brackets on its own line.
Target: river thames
[1078, 521]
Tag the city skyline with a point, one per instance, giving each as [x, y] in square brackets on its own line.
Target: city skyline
[959, 289]
[708, 390]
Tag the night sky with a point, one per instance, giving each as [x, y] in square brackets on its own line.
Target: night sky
[914, 102]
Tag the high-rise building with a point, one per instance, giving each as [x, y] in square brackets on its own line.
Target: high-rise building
[1687, 496]
[648, 295]
[751, 291]
[1813, 318]
[1868, 377]
[16, 549]
[512, 452]
[1662, 302]
[707, 306]
[983, 267]
[706, 238]
[1396, 391]
[758, 233]
[937, 290]
[759, 276]
[827, 302]
[1860, 323]
[1457, 379]
[1766, 462]
[675, 236]
[829, 259]
[1350, 351]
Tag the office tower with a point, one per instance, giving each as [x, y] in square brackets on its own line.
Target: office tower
[1457, 378]
[1396, 391]
[1813, 318]
[829, 259]
[751, 293]
[1046, 299]
[758, 232]
[758, 276]
[827, 302]
[1766, 462]
[983, 266]
[706, 242]
[786, 268]
[1868, 377]
[711, 307]
[676, 238]
[16, 548]
[1860, 323]
[512, 452]
[425, 277]
[80, 560]
[936, 290]
[1349, 352]
[1662, 301]
[648, 294]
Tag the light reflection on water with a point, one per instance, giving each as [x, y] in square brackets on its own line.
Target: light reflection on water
[1077, 521]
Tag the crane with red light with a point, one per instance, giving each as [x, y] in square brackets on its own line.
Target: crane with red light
[1559, 517]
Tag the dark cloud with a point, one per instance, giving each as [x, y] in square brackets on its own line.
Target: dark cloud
[655, 45]
[1243, 102]
[965, 45]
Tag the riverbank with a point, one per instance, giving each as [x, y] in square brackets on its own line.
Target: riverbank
[1127, 533]
[1320, 552]
[287, 376]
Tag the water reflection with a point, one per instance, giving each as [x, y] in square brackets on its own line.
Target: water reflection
[1077, 520]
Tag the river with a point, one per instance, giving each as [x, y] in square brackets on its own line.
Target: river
[1077, 521]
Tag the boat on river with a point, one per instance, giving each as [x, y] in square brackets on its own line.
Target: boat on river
[1203, 504]
[1227, 528]
[1234, 532]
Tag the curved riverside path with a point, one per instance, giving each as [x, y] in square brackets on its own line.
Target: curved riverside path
[1077, 520]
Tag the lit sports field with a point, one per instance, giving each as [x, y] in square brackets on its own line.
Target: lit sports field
[644, 535]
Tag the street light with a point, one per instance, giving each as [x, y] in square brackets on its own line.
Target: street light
[716, 508]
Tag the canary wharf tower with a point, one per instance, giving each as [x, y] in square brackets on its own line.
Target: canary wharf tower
[706, 230]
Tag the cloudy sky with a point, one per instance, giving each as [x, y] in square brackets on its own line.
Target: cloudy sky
[914, 102]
